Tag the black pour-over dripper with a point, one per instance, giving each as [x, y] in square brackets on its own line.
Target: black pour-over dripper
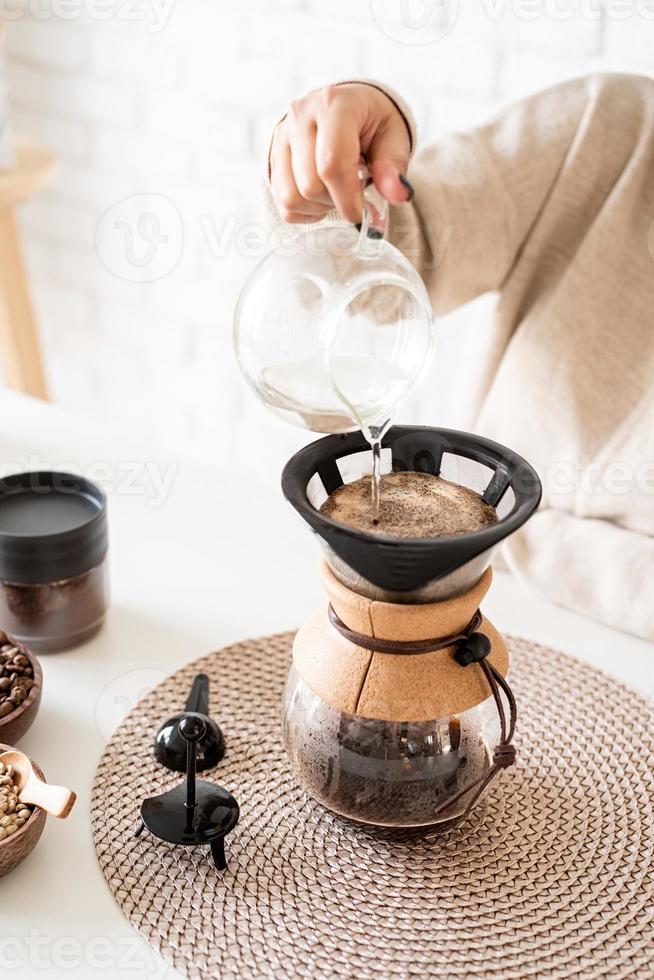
[194, 812]
[407, 564]
[170, 746]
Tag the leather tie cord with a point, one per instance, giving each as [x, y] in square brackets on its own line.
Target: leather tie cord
[406, 647]
[504, 752]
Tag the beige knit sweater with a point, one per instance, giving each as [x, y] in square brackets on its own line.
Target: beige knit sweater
[551, 205]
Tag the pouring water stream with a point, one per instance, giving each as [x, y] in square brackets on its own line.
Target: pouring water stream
[381, 415]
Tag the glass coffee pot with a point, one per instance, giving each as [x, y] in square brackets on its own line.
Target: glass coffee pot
[334, 328]
[397, 711]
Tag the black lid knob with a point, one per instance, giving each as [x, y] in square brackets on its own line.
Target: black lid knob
[192, 727]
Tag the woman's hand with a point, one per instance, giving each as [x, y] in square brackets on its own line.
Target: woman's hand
[317, 147]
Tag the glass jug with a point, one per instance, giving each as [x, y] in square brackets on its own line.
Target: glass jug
[386, 773]
[333, 329]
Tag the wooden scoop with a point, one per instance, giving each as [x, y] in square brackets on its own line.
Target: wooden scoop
[55, 800]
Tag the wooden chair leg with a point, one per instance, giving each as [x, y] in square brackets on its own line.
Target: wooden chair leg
[19, 342]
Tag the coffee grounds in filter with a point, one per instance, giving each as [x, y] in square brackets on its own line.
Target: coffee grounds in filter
[413, 505]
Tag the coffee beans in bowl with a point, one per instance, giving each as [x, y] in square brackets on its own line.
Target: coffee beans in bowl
[21, 682]
[20, 825]
[13, 813]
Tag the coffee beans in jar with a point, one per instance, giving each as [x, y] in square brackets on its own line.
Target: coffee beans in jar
[16, 679]
[13, 813]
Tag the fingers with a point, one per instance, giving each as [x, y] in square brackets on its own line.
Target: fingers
[316, 150]
[303, 163]
[314, 158]
[338, 150]
[291, 203]
[388, 157]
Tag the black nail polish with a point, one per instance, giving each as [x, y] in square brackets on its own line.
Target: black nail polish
[405, 183]
[371, 233]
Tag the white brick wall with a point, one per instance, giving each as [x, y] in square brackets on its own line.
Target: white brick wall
[174, 99]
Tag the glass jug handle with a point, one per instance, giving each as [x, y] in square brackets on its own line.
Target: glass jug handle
[374, 222]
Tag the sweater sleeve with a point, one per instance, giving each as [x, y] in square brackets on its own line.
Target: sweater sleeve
[481, 196]
[592, 566]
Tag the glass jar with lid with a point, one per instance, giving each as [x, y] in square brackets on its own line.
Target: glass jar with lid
[54, 586]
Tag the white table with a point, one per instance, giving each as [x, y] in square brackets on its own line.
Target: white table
[216, 559]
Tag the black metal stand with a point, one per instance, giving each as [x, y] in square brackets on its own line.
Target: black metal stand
[193, 812]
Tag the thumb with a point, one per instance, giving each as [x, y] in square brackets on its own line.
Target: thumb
[388, 159]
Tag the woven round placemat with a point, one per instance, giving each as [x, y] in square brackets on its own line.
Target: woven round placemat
[552, 875]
